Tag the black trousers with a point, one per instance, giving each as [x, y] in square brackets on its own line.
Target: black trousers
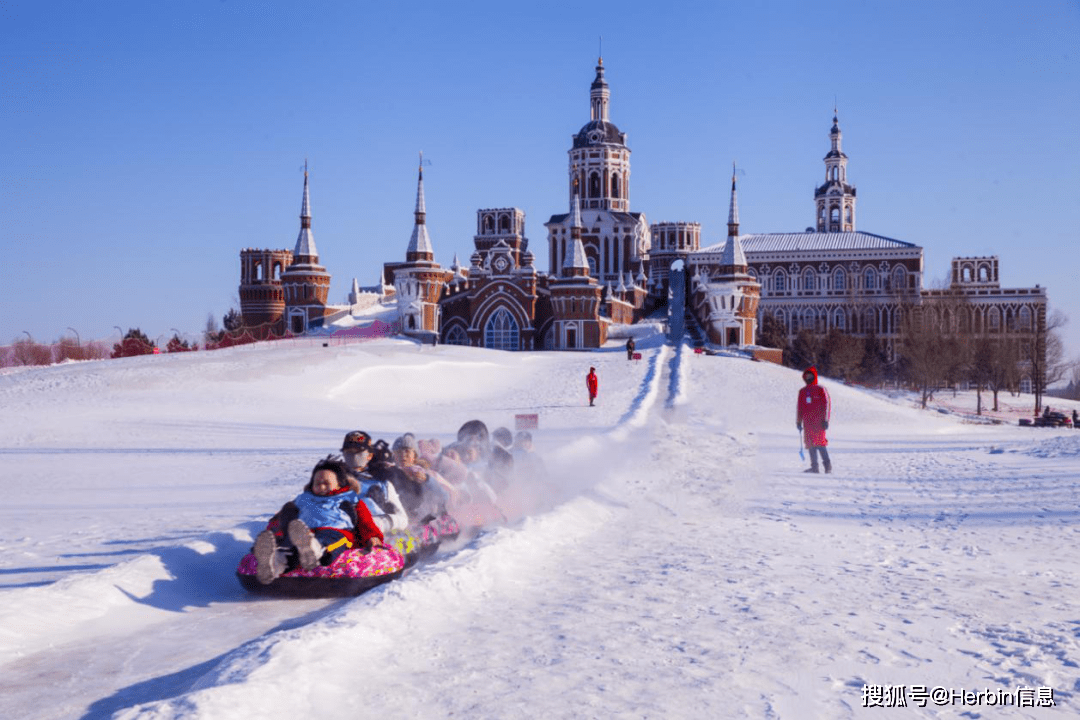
[814, 450]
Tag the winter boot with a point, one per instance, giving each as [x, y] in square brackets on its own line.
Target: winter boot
[812, 469]
[271, 562]
[308, 549]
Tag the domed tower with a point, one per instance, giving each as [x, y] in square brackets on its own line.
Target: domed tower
[835, 199]
[615, 240]
[599, 158]
[305, 282]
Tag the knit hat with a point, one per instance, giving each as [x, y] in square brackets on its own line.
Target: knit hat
[357, 440]
[406, 442]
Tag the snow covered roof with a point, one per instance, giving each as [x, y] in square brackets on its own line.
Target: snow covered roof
[732, 253]
[576, 257]
[805, 241]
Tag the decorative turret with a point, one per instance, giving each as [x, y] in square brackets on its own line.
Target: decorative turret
[835, 200]
[575, 295]
[420, 244]
[305, 282]
[575, 264]
[419, 281]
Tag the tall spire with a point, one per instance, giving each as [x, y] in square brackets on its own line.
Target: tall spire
[576, 263]
[733, 209]
[305, 242]
[599, 94]
[420, 243]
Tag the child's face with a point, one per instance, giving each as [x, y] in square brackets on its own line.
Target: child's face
[324, 482]
[470, 454]
[405, 456]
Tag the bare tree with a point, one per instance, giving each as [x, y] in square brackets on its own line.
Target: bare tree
[842, 353]
[1046, 355]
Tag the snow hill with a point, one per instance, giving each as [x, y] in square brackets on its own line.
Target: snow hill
[680, 566]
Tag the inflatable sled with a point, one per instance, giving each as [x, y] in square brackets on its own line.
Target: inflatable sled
[351, 573]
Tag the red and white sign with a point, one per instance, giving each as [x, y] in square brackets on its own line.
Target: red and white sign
[526, 422]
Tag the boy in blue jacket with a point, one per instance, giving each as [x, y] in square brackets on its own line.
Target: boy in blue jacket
[322, 522]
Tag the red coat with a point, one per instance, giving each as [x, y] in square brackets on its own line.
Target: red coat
[813, 410]
[592, 383]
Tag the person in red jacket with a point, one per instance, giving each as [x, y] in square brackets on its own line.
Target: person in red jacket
[812, 418]
[592, 383]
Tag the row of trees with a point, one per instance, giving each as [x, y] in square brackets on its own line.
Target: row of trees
[934, 346]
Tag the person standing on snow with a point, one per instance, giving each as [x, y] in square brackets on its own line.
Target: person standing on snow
[592, 383]
[630, 349]
[812, 418]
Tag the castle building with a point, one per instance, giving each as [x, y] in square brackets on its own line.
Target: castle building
[608, 266]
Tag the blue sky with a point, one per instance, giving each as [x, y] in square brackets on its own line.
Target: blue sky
[146, 143]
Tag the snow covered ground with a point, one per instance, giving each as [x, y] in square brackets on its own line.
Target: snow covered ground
[682, 566]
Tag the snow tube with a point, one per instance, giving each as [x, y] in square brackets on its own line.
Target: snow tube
[446, 526]
[351, 573]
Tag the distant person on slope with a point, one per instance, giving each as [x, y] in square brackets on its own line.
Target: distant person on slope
[812, 418]
[630, 349]
[592, 383]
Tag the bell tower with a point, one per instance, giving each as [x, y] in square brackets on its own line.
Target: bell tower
[835, 199]
[599, 158]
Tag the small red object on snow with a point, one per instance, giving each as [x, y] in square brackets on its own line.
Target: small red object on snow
[698, 351]
[637, 356]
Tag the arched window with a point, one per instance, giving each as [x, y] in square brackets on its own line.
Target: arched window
[502, 331]
[594, 185]
[834, 215]
[839, 279]
[487, 224]
[869, 279]
[965, 274]
[870, 321]
[780, 281]
[614, 185]
[456, 336]
[839, 320]
[781, 319]
[809, 280]
[1025, 319]
[984, 273]
[809, 319]
[994, 319]
[504, 223]
[899, 278]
